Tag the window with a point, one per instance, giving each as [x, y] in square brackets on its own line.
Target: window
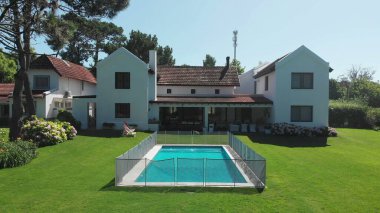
[302, 80]
[301, 113]
[122, 110]
[255, 87]
[266, 83]
[122, 80]
[168, 91]
[41, 82]
[217, 91]
[192, 91]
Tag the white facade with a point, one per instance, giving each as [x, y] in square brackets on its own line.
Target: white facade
[199, 90]
[137, 96]
[283, 96]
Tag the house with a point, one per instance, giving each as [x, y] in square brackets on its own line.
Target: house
[171, 98]
[292, 89]
[298, 85]
[198, 98]
[54, 82]
[5, 90]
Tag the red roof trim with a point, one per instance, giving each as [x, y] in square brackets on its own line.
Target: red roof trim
[213, 100]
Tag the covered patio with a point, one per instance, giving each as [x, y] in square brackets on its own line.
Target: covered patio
[236, 114]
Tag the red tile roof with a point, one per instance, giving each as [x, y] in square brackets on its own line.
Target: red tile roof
[63, 68]
[197, 76]
[5, 89]
[238, 99]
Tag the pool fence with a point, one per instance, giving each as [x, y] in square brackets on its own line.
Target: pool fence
[131, 167]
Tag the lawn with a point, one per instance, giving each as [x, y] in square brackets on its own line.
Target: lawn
[303, 175]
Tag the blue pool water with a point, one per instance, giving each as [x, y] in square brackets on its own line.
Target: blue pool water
[191, 164]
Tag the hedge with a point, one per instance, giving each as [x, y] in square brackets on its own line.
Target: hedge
[353, 115]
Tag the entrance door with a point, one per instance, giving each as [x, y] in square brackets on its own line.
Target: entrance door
[91, 109]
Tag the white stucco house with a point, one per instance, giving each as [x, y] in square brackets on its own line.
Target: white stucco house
[292, 89]
[54, 82]
[297, 84]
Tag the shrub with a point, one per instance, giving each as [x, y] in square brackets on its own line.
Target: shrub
[295, 130]
[42, 132]
[64, 115]
[348, 114]
[16, 153]
[70, 131]
[373, 117]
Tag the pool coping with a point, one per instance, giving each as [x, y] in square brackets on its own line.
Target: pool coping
[130, 178]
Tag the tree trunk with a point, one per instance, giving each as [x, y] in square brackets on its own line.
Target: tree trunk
[15, 127]
[30, 107]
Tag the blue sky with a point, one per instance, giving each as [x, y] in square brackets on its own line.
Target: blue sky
[343, 33]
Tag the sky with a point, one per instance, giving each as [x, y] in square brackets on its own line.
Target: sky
[343, 33]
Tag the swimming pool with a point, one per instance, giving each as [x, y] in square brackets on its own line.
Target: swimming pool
[192, 164]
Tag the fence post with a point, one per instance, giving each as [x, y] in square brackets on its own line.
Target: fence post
[204, 171]
[145, 172]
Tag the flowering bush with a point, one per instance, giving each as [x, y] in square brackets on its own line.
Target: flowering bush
[70, 131]
[16, 153]
[295, 130]
[45, 133]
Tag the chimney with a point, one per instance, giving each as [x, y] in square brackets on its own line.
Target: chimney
[152, 77]
[225, 69]
[227, 61]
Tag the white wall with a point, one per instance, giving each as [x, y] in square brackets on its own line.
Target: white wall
[199, 90]
[122, 61]
[80, 110]
[54, 77]
[75, 87]
[270, 93]
[302, 60]
[246, 83]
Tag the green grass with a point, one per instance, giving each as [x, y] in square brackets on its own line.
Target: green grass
[303, 175]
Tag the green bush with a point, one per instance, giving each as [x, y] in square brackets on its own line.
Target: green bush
[70, 131]
[42, 132]
[16, 153]
[64, 115]
[348, 114]
[373, 117]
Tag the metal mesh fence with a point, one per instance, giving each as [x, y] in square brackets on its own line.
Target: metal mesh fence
[254, 164]
[245, 168]
[192, 137]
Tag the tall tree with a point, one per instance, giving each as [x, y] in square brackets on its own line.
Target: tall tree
[336, 90]
[357, 72]
[20, 20]
[209, 61]
[140, 43]
[8, 68]
[165, 56]
[235, 63]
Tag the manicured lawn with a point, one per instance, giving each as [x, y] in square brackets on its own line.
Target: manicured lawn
[303, 175]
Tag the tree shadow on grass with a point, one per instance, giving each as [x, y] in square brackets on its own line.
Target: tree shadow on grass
[110, 186]
[289, 141]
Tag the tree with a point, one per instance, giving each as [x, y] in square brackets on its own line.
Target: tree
[336, 90]
[165, 56]
[357, 72]
[21, 20]
[8, 68]
[140, 43]
[209, 61]
[235, 63]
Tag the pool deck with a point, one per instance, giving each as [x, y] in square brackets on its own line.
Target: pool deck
[130, 178]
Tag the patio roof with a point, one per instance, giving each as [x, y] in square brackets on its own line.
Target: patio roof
[241, 99]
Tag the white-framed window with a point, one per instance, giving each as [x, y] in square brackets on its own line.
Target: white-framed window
[41, 82]
[301, 113]
[302, 80]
